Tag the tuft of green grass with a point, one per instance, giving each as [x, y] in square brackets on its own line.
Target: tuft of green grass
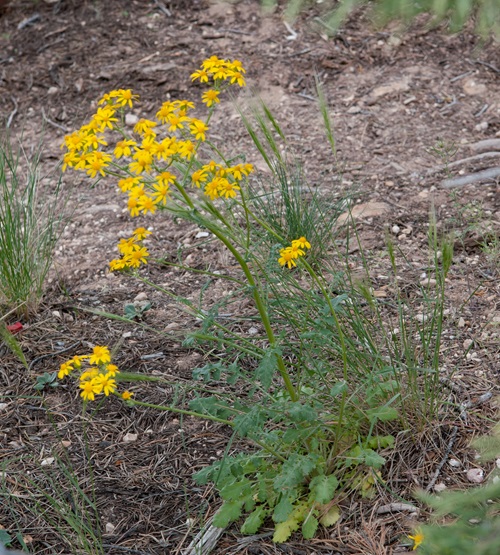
[30, 225]
[456, 13]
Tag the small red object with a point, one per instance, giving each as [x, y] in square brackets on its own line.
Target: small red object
[15, 328]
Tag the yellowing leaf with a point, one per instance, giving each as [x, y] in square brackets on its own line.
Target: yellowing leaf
[284, 530]
[330, 517]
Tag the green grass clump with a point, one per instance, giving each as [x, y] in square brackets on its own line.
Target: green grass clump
[29, 228]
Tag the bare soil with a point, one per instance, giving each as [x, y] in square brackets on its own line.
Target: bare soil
[393, 96]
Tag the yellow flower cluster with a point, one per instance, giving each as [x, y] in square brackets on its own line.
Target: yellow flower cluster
[219, 181]
[132, 251]
[98, 375]
[288, 255]
[143, 162]
[220, 70]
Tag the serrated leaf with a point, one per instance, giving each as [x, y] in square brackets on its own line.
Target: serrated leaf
[283, 530]
[380, 442]
[323, 488]
[372, 458]
[301, 413]
[210, 405]
[254, 520]
[309, 527]
[238, 490]
[264, 373]
[384, 414]
[229, 512]
[330, 517]
[282, 510]
[249, 421]
[294, 470]
[338, 388]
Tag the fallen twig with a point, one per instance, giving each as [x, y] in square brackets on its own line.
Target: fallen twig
[397, 507]
[490, 174]
[53, 123]
[464, 407]
[13, 113]
[204, 541]
[449, 447]
[486, 145]
[474, 158]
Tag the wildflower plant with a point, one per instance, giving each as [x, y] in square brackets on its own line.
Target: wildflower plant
[319, 397]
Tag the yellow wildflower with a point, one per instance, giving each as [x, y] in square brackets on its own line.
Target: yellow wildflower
[105, 383]
[186, 149]
[89, 374]
[144, 126]
[146, 204]
[136, 257]
[128, 183]
[287, 258]
[141, 233]
[212, 188]
[96, 162]
[198, 177]
[198, 129]
[126, 395]
[65, 369]
[89, 389]
[117, 264]
[104, 118]
[161, 193]
[100, 355]
[200, 74]
[124, 97]
[123, 148]
[227, 189]
[302, 242]
[176, 121]
[210, 97]
[418, 538]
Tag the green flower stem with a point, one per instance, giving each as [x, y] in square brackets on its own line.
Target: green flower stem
[340, 423]
[133, 402]
[261, 308]
[180, 411]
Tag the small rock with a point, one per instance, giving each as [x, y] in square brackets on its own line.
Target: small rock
[467, 343]
[461, 322]
[438, 488]
[52, 91]
[454, 463]
[253, 331]
[475, 475]
[127, 334]
[141, 297]
[201, 234]
[110, 528]
[48, 461]
[395, 229]
[421, 318]
[354, 110]
[472, 88]
[127, 438]
[3, 405]
[131, 119]
[482, 126]
[497, 462]
[65, 443]
[57, 314]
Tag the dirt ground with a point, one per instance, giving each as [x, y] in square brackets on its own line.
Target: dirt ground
[392, 95]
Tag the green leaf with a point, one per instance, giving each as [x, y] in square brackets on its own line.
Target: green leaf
[130, 311]
[373, 459]
[331, 516]
[323, 488]
[249, 421]
[238, 490]
[264, 373]
[338, 388]
[283, 530]
[384, 414]
[380, 442]
[5, 538]
[301, 413]
[294, 471]
[309, 527]
[254, 520]
[229, 512]
[283, 509]
[212, 406]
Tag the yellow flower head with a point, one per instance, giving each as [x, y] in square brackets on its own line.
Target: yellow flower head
[89, 390]
[126, 395]
[210, 97]
[287, 258]
[141, 233]
[100, 355]
[417, 538]
[65, 369]
[104, 383]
